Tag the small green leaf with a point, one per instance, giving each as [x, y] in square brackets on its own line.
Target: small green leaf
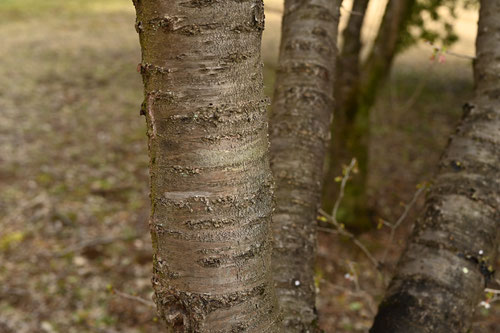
[355, 306]
[322, 219]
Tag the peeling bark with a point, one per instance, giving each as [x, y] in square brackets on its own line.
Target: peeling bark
[449, 258]
[300, 124]
[211, 186]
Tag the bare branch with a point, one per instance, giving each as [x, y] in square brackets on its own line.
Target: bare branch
[341, 230]
[87, 243]
[443, 50]
[354, 274]
[134, 298]
[333, 217]
[328, 230]
[358, 294]
[493, 291]
[400, 220]
[352, 12]
[417, 91]
[343, 183]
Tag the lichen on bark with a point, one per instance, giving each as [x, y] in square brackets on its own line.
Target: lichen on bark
[449, 258]
[211, 186]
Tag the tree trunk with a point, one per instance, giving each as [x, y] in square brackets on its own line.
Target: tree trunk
[346, 93]
[348, 61]
[300, 124]
[449, 258]
[352, 135]
[377, 67]
[211, 187]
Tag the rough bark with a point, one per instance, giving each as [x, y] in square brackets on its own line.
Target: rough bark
[300, 124]
[211, 187]
[351, 136]
[449, 258]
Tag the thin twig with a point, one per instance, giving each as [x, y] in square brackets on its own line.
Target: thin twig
[6, 290]
[400, 220]
[352, 12]
[493, 291]
[343, 183]
[354, 274]
[134, 298]
[333, 217]
[94, 242]
[358, 294]
[328, 230]
[351, 236]
[443, 50]
[418, 90]
[494, 299]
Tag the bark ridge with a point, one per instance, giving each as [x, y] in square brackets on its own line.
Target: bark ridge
[452, 250]
[211, 186]
[300, 124]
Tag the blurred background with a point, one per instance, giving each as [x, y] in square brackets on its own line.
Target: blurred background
[75, 251]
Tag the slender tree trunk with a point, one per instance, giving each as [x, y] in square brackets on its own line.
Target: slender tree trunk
[450, 254]
[352, 135]
[300, 124]
[348, 61]
[376, 69]
[211, 187]
[346, 93]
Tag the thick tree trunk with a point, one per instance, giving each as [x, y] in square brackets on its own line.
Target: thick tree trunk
[211, 187]
[352, 135]
[300, 124]
[450, 254]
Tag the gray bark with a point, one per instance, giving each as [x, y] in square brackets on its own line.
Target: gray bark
[211, 186]
[449, 258]
[300, 123]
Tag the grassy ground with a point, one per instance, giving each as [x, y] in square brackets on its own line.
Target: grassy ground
[74, 183]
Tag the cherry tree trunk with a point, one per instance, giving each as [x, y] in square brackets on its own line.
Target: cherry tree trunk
[300, 125]
[211, 186]
[450, 255]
